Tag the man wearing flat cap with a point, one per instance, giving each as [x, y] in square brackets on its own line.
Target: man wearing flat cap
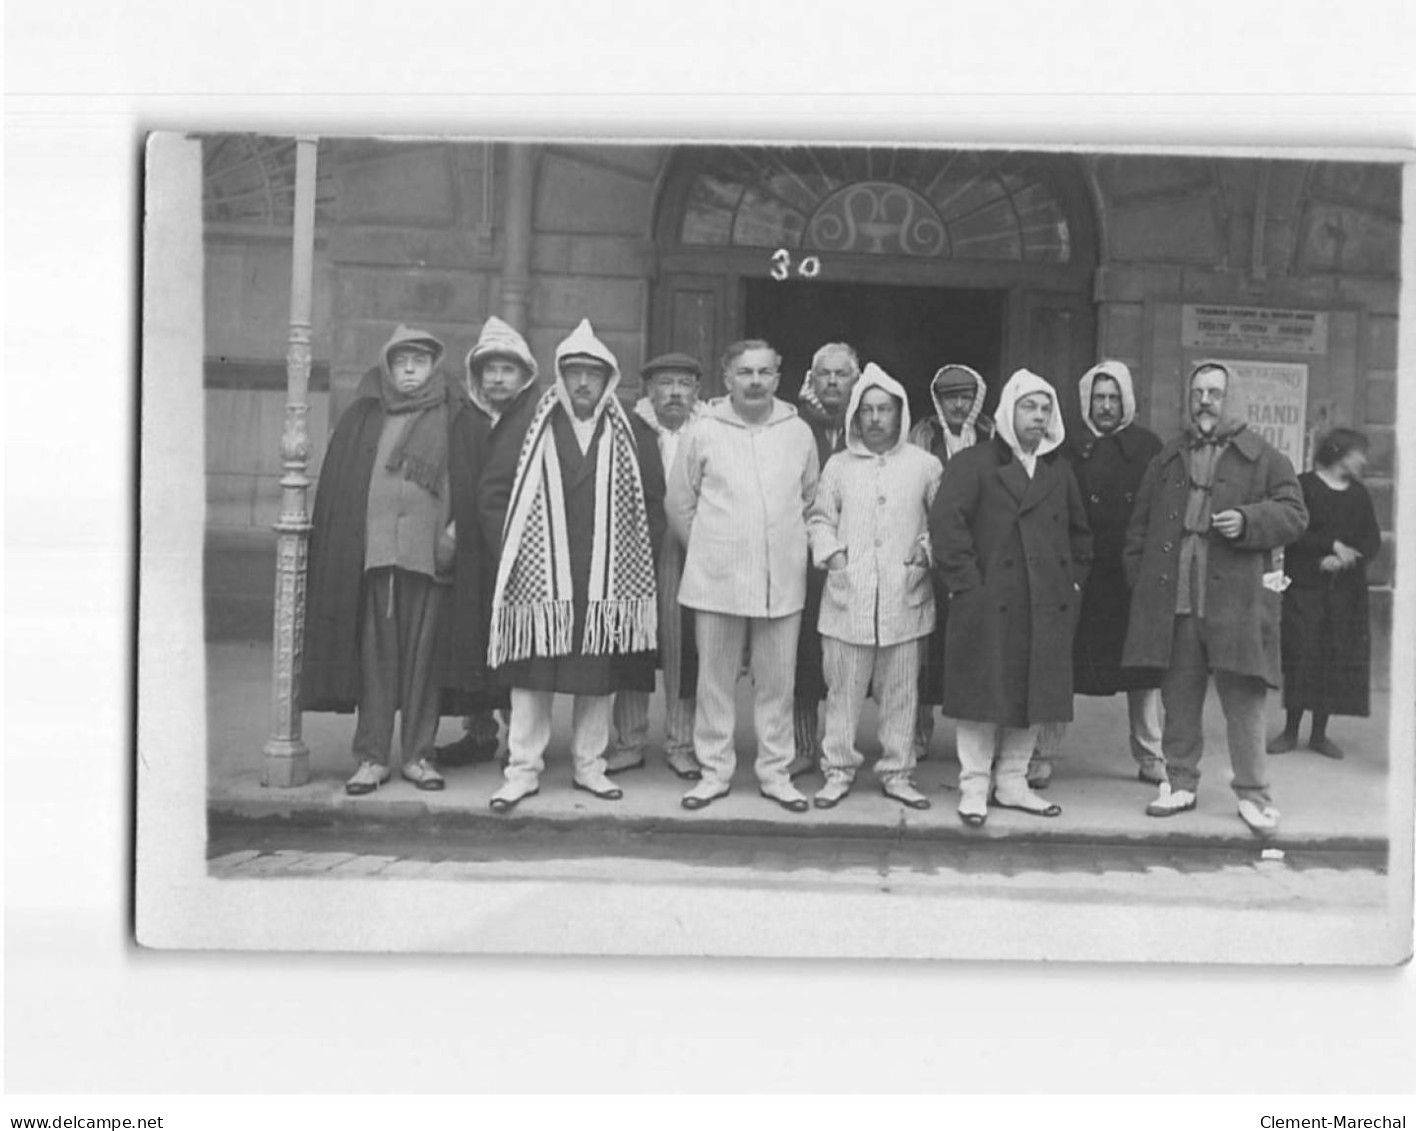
[957, 393]
[659, 419]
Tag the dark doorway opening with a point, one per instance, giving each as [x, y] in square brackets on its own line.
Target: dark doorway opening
[907, 331]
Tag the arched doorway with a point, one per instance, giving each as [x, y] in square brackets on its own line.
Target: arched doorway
[918, 257]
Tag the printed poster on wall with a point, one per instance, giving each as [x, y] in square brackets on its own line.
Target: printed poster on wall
[1272, 398]
[1253, 328]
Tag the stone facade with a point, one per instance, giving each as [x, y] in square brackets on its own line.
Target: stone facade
[415, 232]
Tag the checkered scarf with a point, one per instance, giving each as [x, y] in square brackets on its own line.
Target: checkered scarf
[533, 611]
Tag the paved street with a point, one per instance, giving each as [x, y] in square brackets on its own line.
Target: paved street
[1104, 874]
[643, 876]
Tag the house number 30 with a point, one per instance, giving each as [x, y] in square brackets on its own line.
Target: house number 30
[808, 268]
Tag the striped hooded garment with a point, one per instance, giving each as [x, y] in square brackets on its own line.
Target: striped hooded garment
[576, 575]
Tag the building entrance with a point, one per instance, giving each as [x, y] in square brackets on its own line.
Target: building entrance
[924, 257]
[909, 331]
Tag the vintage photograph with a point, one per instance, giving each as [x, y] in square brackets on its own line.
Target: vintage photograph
[843, 549]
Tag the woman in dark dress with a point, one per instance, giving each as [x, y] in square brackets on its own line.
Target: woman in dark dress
[1326, 636]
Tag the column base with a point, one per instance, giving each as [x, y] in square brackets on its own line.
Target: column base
[287, 764]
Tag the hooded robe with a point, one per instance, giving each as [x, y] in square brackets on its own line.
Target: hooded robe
[577, 670]
[1109, 469]
[935, 437]
[1014, 550]
[875, 507]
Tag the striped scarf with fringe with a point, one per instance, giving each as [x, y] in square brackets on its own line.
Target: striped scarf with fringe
[533, 609]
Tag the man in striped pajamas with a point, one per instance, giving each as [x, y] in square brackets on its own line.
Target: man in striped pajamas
[737, 498]
[869, 529]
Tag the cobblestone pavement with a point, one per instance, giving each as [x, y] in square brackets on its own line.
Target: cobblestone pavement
[1103, 874]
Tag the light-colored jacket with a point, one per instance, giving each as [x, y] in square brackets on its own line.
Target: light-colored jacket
[737, 498]
[875, 508]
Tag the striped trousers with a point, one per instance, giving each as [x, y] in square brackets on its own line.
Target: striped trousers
[773, 661]
[631, 714]
[631, 717]
[850, 670]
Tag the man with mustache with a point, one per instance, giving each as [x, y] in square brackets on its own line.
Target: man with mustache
[1109, 455]
[958, 423]
[500, 379]
[575, 607]
[822, 401]
[1214, 507]
[1011, 539]
[737, 498]
[660, 420]
[869, 530]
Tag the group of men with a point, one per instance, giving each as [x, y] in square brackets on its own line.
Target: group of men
[480, 545]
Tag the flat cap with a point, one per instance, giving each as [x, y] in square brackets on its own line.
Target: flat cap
[665, 361]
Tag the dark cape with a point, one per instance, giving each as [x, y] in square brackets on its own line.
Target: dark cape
[335, 576]
[1109, 470]
[1326, 636]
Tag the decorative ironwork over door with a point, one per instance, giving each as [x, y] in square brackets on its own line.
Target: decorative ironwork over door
[967, 205]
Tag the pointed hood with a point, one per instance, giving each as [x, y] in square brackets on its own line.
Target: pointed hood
[874, 377]
[497, 340]
[1121, 374]
[1020, 385]
[583, 343]
[410, 336]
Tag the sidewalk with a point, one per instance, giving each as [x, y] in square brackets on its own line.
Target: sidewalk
[1335, 805]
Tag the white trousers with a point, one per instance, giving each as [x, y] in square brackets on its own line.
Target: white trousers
[631, 722]
[529, 733]
[1143, 717]
[978, 745]
[850, 670]
[773, 644]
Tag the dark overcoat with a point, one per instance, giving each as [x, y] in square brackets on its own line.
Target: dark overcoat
[1241, 614]
[1109, 470]
[573, 674]
[330, 671]
[810, 665]
[929, 434]
[1013, 552]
